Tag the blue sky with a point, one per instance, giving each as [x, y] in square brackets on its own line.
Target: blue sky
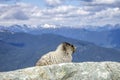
[60, 12]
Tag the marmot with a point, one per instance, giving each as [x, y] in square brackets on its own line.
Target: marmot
[62, 54]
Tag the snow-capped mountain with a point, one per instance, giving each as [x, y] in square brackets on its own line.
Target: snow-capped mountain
[106, 36]
[28, 28]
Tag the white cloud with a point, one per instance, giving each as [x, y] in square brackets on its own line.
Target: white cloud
[70, 15]
[108, 13]
[58, 10]
[53, 2]
[65, 11]
[105, 1]
[14, 14]
[18, 11]
[107, 16]
[8, 0]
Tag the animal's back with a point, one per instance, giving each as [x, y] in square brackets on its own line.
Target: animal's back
[53, 58]
[45, 60]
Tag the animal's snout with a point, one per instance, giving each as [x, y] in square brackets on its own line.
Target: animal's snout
[74, 49]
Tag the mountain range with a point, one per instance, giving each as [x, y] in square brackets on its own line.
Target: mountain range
[105, 36]
[21, 50]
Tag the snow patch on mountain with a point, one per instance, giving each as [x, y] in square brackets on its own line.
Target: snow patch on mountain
[49, 26]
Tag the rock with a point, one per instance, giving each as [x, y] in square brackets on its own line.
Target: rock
[67, 71]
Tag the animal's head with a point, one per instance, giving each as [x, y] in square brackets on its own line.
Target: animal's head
[68, 48]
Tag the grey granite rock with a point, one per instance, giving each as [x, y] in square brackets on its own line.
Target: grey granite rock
[67, 71]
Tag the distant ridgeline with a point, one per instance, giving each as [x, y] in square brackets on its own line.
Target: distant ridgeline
[14, 44]
[105, 36]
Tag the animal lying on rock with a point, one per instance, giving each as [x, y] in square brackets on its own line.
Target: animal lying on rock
[63, 54]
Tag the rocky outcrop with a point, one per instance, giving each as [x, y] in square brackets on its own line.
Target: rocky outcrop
[67, 71]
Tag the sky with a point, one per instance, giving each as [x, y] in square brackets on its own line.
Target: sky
[60, 12]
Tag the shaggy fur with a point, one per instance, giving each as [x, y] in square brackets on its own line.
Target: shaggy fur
[62, 54]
